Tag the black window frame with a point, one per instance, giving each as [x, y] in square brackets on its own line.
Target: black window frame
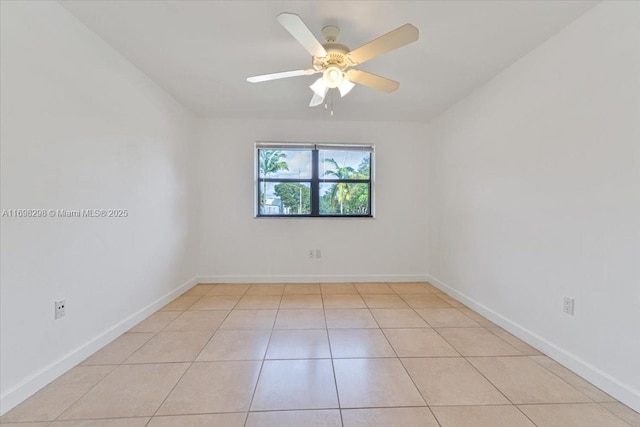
[315, 179]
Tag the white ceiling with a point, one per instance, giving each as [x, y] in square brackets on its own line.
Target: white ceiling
[202, 51]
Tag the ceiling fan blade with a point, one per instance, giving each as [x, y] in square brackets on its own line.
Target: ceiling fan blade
[294, 24]
[372, 80]
[281, 75]
[395, 39]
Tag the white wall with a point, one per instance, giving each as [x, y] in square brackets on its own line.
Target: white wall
[83, 128]
[536, 195]
[234, 246]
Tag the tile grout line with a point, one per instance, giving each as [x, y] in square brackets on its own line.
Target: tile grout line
[333, 366]
[77, 400]
[192, 362]
[563, 380]
[499, 391]
[404, 367]
[264, 358]
[614, 414]
[498, 327]
[171, 390]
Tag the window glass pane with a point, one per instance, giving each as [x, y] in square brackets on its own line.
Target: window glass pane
[285, 198]
[339, 164]
[344, 198]
[288, 164]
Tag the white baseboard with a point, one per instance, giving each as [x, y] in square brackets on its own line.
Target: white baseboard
[614, 387]
[328, 278]
[44, 376]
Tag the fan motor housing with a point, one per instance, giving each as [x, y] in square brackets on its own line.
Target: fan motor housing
[336, 55]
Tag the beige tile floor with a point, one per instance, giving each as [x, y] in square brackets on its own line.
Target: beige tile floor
[330, 354]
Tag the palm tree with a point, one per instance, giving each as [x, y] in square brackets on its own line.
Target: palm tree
[271, 161]
[341, 191]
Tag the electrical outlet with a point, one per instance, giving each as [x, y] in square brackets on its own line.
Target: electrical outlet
[568, 305]
[318, 253]
[60, 308]
[310, 253]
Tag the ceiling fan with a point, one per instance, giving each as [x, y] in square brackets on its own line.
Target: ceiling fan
[334, 59]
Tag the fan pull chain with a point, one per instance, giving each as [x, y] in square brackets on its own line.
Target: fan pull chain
[329, 105]
[331, 100]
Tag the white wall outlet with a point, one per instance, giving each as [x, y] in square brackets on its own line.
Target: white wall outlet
[310, 253]
[318, 253]
[60, 308]
[568, 305]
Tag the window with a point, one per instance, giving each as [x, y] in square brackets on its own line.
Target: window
[313, 180]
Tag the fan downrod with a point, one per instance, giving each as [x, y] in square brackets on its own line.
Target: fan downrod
[330, 33]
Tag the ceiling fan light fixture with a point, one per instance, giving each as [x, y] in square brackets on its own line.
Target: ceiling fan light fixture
[345, 87]
[333, 76]
[331, 59]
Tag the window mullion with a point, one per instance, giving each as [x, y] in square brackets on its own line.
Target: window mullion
[315, 184]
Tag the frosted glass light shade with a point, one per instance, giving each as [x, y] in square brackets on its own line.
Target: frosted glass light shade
[320, 87]
[345, 87]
